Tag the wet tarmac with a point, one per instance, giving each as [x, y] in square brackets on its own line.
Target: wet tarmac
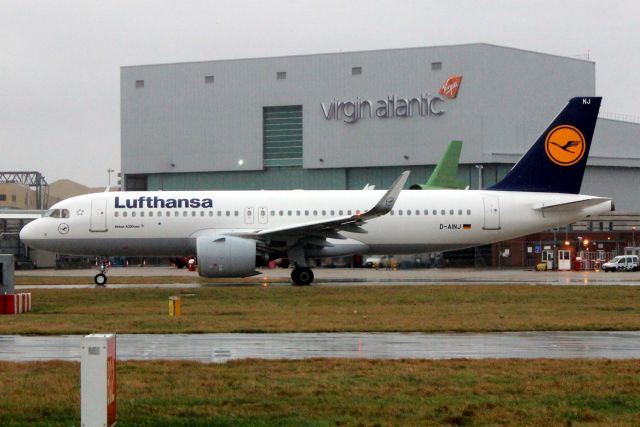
[354, 277]
[215, 348]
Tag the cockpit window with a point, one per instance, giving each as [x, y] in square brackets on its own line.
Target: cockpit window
[57, 213]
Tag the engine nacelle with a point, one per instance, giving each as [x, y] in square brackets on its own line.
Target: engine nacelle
[226, 256]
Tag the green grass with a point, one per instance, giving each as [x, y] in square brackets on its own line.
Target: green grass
[476, 308]
[335, 392]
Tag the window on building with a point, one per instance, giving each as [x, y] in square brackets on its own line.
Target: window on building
[282, 136]
[435, 66]
[356, 71]
[209, 79]
[13, 198]
[281, 75]
[139, 83]
[3, 197]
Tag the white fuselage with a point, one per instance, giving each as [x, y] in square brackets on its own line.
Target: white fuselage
[160, 224]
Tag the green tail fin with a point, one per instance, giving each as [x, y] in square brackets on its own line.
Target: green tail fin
[445, 175]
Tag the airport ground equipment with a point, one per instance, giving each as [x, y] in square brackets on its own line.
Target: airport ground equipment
[7, 277]
[98, 380]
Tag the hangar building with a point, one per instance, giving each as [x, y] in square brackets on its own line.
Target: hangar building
[344, 120]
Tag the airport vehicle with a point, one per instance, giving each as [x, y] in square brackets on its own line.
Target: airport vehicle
[621, 263]
[229, 230]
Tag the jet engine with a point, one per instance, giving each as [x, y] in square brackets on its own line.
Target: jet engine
[226, 256]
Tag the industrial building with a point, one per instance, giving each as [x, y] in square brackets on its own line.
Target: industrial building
[344, 120]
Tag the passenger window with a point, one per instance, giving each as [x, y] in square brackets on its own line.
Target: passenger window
[235, 213]
[289, 213]
[297, 213]
[281, 213]
[426, 212]
[315, 213]
[324, 213]
[176, 213]
[193, 213]
[228, 213]
[408, 211]
[340, 212]
[124, 214]
[435, 212]
[392, 212]
[459, 211]
[273, 213]
[184, 213]
[468, 211]
[150, 213]
[332, 212]
[443, 212]
[168, 214]
[306, 213]
[201, 213]
[451, 212]
[417, 211]
[116, 214]
[210, 213]
[133, 214]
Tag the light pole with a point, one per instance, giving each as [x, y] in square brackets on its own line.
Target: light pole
[109, 176]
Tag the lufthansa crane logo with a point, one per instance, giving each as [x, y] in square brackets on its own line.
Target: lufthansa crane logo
[565, 145]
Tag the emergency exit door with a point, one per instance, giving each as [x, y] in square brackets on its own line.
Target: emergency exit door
[98, 215]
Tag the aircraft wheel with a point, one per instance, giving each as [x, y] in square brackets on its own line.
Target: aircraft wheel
[100, 279]
[302, 276]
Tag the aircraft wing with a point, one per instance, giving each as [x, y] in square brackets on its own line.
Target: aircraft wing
[331, 227]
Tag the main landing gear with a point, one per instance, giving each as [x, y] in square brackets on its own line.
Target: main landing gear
[302, 276]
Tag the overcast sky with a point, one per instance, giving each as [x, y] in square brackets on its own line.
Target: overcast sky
[60, 67]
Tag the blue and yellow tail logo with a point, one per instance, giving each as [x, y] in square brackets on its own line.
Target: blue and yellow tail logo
[565, 145]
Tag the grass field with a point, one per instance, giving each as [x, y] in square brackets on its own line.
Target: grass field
[475, 308]
[335, 392]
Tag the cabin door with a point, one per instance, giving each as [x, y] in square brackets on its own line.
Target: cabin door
[491, 213]
[98, 215]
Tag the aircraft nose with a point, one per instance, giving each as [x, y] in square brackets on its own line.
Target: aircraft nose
[29, 232]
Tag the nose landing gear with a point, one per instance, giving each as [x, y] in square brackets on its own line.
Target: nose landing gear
[101, 278]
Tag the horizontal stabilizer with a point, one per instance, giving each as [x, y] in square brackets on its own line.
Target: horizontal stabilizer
[572, 205]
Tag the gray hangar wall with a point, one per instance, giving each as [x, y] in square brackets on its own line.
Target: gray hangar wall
[200, 125]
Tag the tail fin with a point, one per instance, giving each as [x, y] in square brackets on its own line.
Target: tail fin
[556, 162]
[445, 175]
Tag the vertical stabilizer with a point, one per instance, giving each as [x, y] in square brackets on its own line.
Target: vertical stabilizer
[556, 162]
[445, 175]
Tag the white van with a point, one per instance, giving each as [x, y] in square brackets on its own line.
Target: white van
[622, 263]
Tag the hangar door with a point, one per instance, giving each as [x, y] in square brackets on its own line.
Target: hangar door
[491, 213]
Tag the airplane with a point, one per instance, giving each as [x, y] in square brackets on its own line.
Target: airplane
[445, 174]
[229, 231]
